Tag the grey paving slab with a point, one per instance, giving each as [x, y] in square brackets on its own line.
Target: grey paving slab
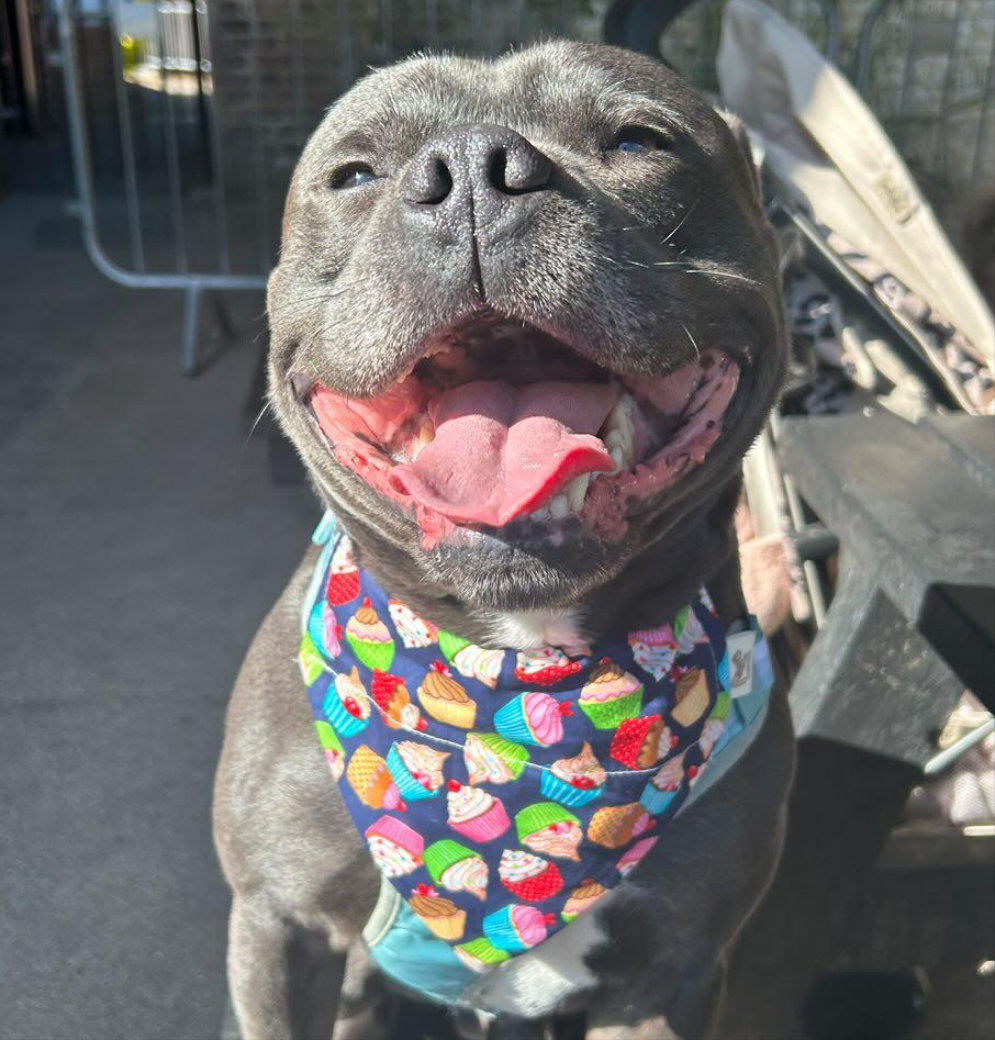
[141, 542]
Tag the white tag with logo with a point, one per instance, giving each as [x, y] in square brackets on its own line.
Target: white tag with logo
[739, 647]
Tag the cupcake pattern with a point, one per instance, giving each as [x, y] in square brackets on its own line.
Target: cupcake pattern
[505, 792]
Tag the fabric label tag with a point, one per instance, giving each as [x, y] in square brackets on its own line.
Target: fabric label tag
[739, 647]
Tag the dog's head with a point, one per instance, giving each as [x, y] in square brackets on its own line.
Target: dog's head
[526, 317]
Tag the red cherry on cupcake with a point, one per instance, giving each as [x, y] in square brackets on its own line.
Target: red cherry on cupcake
[352, 706]
[674, 740]
[421, 726]
[453, 785]
[582, 783]
[692, 772]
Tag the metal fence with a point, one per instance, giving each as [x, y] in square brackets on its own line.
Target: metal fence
[186, 116]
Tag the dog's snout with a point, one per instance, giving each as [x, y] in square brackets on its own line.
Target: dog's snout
[482, 165]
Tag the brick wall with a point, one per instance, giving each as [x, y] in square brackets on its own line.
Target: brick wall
[278, 65]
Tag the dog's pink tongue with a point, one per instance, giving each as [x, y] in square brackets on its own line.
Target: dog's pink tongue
[500, 450]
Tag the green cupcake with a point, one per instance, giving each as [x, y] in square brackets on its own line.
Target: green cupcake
[722, 706]
[539, 816]
[451, 645]
[327, 738]
[490, 759]
[312, 665]
[610, 696]
[480, 954]
[369, 638]
[456, 868]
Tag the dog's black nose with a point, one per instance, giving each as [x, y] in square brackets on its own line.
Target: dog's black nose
[482, 165]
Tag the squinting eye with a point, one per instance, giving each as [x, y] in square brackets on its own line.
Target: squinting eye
[638, 139]
[353, 175]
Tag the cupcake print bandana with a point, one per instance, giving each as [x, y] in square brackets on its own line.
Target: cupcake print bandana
[504, 792]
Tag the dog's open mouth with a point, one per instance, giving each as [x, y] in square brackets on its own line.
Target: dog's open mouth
[499, 422]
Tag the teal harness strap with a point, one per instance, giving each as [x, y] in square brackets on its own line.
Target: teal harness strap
[405, 950]
[746, 716]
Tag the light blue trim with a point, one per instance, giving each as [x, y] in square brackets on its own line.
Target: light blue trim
[324, 535]
[746, 716]
[412, 956]
[327, 526]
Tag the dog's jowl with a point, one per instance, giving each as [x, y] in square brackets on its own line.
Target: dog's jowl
[524, 326]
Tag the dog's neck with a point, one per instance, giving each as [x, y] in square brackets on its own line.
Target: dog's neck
[699, 550]
[528, 629]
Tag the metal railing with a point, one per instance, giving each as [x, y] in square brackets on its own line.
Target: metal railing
[185, 116]
[193, 283]
[172, 105]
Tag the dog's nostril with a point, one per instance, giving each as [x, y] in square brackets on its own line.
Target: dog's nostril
[518, 168]
[436, 183]
[498, 169]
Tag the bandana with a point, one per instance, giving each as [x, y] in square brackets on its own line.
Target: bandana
[503, 793]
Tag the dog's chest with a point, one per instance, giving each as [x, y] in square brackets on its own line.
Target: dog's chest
[529, 629]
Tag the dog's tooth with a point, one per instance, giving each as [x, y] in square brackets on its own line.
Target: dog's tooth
[541, 514]
[619, 430]
[559, 507]
[576, 490]
[424, 437]
[618, 458]
[620, 417]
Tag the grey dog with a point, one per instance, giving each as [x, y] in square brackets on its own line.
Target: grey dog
[587, 193]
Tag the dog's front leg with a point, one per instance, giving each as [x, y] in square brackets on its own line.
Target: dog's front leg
[366, 1009]
[285, 981]
[693, 1016]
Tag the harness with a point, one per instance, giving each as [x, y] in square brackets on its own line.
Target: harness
[503, 793]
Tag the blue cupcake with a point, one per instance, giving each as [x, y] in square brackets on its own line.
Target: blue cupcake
[516, 928]
[663, 788]
[346, 704]
[316, 624]
[532, 718]
[574, 781]
[324, 629]
[416, 769]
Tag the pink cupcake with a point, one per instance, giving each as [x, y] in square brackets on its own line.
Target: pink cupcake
[633, 857]
[517, 928]
[474, 813]
[395, 847]
[654, 650]
[533, 718]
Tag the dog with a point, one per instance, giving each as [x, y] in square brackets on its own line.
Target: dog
[565, 216]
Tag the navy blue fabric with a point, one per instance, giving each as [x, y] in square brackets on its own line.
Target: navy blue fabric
[479, 930]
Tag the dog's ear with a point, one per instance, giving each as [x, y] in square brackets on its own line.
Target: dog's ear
[742, 138]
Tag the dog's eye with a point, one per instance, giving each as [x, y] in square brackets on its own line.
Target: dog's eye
[352, 175]
[638, 139]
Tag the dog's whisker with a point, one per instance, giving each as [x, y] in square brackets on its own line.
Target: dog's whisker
[681, 222]
[711, 271]
[690, 337]
[317, 298]
[267, 407]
